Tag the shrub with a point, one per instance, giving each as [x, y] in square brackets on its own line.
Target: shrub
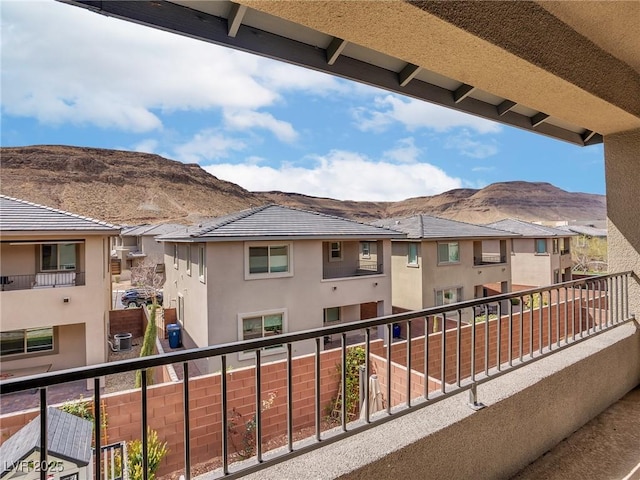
[148, 344]
[156, 451]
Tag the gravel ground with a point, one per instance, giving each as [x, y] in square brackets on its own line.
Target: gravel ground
[127, 380]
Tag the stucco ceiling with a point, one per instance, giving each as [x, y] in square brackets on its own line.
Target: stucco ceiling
[563, 69]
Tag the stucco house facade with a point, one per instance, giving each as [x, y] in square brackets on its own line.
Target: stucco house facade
[443, 261]
[137, 245]
[274, 269]
[56, 288]
[541, 256]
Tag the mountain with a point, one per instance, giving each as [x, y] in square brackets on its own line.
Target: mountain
[125, 187]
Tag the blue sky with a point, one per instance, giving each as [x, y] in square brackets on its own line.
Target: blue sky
[73, 77]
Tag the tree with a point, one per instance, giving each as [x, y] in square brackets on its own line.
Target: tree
[589, 254]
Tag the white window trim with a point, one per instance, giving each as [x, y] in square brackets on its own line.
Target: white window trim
[257, 276]
[58, 269]
[18, 356]
[336, 259]
[417, 262]
[175, 256]
[546, 247]
[448, 262]
[366, 255]
[202, 262]
[445, 289]
[262, 313]
[188, 260]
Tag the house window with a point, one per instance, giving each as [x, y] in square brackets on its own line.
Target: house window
[448, 252]
[541, 245]
[57, 256]
[412, 255]
[189, 260]
[365, 249]
[335, 251]
[331, 315]
[31, 340]
[175, 255]
[555, 245]
[180, 309]
[448, 296]
[259, 325]
[268, 260]
[556, 276]
[201, 262]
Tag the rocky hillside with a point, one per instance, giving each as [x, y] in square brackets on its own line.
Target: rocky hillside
[132, 188]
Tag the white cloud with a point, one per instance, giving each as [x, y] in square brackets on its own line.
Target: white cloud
[149, 145]
[85, 68]
[207, 145]
[247, 119]
[469, 146]
[342, 175]
[405, 151]
[416, 114]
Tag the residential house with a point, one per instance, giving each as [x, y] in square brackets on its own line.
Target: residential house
[136, 245]
[56, 288]
[275, 269]
[588, 248]
[444, 261]
[541, 256]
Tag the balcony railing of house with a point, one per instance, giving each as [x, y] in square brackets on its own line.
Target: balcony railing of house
[413, 373]
[565, 251]
[41, 280]
[363, 267]
[489, 259]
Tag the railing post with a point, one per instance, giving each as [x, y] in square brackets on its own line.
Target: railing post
[96, 424]
[43, 433]
[473, 398]
[187, 435]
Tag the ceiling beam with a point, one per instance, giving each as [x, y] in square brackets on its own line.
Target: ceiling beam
[588, 135]
[408, 73]
[538, 119]
[462, 92]
[505, 107]
[334, 49]
[235, 18]
[185, 21]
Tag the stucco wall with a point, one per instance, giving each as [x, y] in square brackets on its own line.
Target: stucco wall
[622, 161]
[87, 304]
[527, 268]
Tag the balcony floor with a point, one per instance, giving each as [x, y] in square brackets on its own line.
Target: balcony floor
[605, 448]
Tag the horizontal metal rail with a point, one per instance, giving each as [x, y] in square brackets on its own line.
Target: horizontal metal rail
[491, 336]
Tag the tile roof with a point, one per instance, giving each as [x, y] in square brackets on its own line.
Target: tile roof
[427, 227]
[68, 437]
[152, 230]
[584, 230]
[527, 229]
[22, 216]
[278, 222]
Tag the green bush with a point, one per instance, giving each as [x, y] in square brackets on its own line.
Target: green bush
[355, 358]
[156, 451]
[148, 345]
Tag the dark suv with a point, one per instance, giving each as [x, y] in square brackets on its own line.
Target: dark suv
[136, 297]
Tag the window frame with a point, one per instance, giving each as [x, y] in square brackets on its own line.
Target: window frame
[249, 354]
[188, 260]
[338, 249]
[58, 245]
[537, 242]
[449, 261]
[268, 274]
[415, 262]
[34, 353]
[175, 256]
[202, 262]
[556, 245]
[326, 322]
[459, 292]
[366, 254]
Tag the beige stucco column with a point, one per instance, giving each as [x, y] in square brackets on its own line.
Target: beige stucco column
[622, 166]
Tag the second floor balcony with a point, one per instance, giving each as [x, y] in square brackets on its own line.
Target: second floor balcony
[352, 259]
[585, 322]
[41, 280]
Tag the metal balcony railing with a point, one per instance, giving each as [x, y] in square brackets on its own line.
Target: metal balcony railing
[514, 330]
[42, 280]
[362, 267]
[489, 259]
